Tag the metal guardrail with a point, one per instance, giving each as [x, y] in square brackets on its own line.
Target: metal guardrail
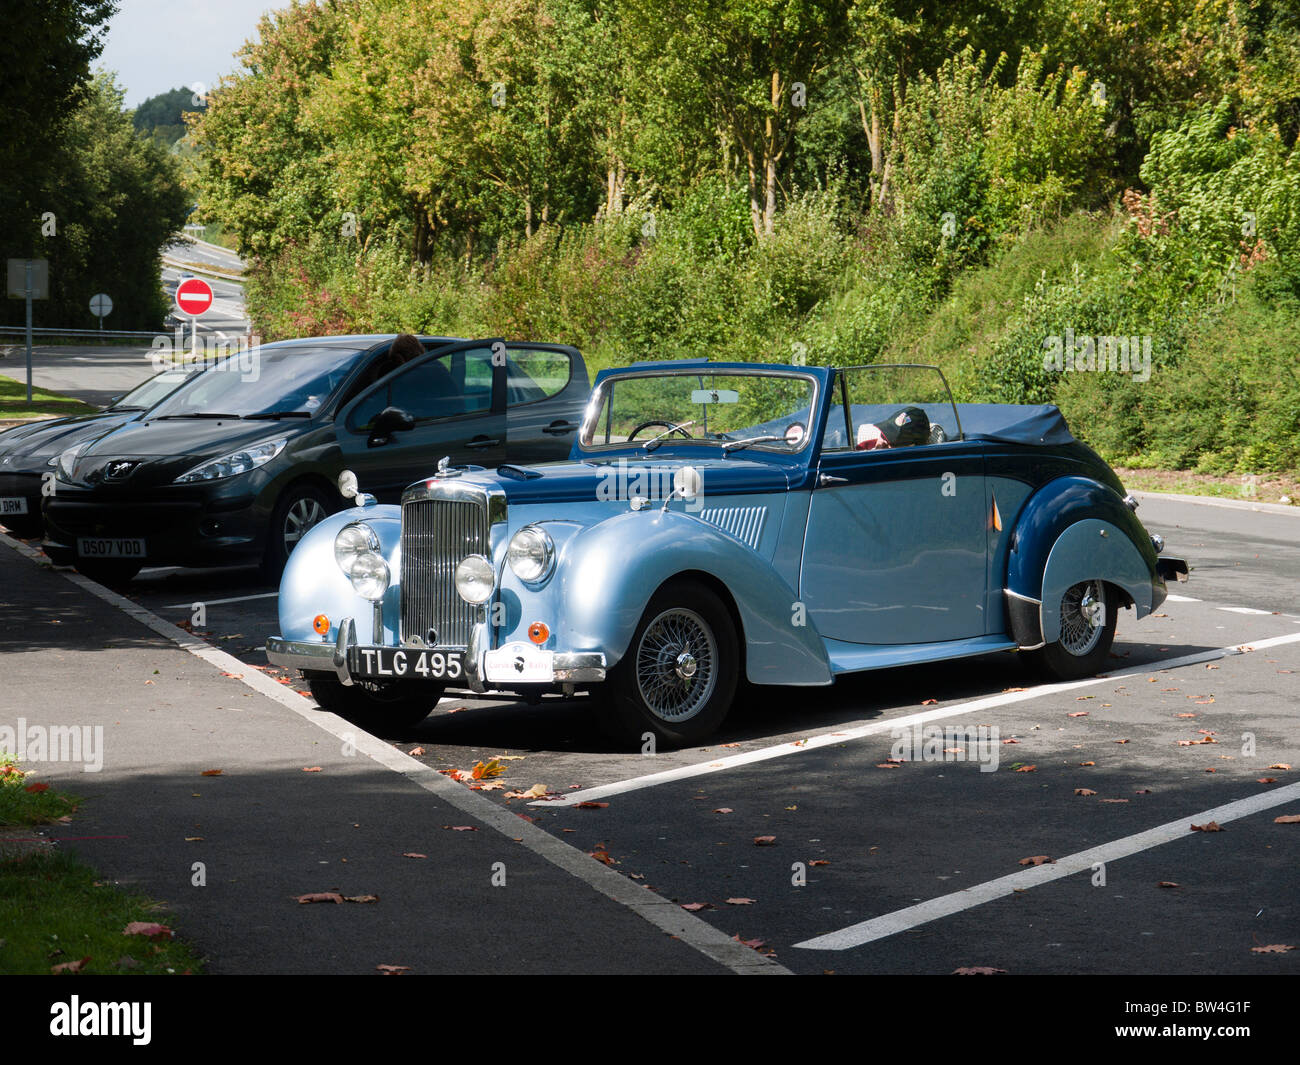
[48, 331]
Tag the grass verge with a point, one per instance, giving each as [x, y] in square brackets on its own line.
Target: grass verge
[56, 915]
[14, 404]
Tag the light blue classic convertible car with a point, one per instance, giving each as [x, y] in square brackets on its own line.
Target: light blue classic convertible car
[718, 522]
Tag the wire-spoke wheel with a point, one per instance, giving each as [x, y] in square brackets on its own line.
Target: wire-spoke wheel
[1088, 616]
[678, 676]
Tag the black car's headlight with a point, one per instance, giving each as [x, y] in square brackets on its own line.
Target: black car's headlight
[531, 554]
[356, 550]
[66, 461]
[237, 462]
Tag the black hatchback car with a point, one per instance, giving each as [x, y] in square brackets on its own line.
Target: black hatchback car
[238, 465]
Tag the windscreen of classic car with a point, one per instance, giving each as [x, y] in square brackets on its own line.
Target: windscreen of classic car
[265, 382]
[732, 410]
[878, 407]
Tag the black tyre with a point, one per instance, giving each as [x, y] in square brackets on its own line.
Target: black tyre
[1089, 612]
[678, 677]
[383, 709]
[110, 574]
[300, 507]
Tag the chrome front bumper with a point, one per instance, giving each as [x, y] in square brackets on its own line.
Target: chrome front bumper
[580, 667]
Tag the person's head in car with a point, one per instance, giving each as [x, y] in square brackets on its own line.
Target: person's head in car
[904, 428]
[405, 348]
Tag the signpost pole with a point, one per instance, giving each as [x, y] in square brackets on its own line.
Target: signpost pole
[28, 268]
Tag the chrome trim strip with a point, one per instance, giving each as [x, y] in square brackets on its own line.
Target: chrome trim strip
[1024, 598]
[295, 654]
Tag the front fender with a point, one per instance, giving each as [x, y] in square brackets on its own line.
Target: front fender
[313, 583]
[607, 573]
[1075, 529]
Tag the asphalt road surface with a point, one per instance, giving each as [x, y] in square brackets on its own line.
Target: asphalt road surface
[1053, 837]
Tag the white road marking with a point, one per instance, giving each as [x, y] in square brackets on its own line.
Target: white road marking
[946, 905]
[658, 910]
[219, 602]
[827, 739]
[1243, 610]
[1180, 599]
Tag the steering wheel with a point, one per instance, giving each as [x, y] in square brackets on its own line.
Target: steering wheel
[670, 426]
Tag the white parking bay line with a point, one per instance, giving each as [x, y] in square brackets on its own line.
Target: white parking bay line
[1244, 610]
[947, 905]
[218, 602]
[1181, 599]
[828, 739]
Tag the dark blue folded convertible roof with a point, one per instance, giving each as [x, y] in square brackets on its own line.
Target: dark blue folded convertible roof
[1014, 423]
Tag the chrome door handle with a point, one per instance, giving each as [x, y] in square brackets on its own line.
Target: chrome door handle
[825, 480]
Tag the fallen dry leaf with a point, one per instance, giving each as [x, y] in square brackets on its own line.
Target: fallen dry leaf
[147, 928]
[1279, 765]
[601, 856]
[1121, 741]
[819, 861]
[537, 791]
[415, 752]
[312, 769]
[1027, 769]
[740, 902]
[1078, 713]
[695, 907]
[1272, 948]
[70, 966]
[1084, 791]
[1287, 819]
[321, 896]
[210, 773]
[1011, 741]
[723, 810]
[413, 854]
[1166, 883]
[977, 970]
[393, 970]
[928, 702]
[591, 806]
[1266, 780]
[1209, 826]
[755, 943]
[360, 898]
[764, 841]
[1038, 859]
[461, 828]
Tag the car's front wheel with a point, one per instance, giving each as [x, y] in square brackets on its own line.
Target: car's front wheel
[300, 508]
[381, 708]
[1088, 617]
[678, 677]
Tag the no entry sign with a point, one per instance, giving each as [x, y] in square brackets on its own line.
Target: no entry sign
[194, 296]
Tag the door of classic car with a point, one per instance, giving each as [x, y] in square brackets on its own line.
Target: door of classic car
[894, 551]
[455, 397]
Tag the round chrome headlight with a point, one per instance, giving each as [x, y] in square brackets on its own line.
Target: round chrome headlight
[531, 553]
[351, 543]
[369, 575]
[474, 579]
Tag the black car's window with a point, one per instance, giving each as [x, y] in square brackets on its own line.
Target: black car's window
[158, 387]
[446, 387]
[884, 407]
[532, 375]
[267, 380]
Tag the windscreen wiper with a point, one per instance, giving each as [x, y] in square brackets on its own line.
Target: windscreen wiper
[197, 414]
[270, 415]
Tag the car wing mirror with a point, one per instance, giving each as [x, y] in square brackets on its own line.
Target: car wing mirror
[349, 489]
[388, 421]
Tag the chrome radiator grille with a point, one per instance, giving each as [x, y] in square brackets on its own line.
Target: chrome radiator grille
[436, 535]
